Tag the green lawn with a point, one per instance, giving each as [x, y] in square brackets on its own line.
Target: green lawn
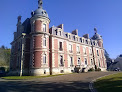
[111, 83]
[26, 77]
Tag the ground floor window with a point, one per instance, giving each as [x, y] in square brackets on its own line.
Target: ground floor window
[99, 63]
[85, 61]
[91, 62]
[61, 60]
[44, 58]
[71, 61]
[78, 61]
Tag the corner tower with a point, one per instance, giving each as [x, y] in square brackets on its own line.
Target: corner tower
[39, 41]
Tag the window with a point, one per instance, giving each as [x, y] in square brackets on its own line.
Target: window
[90, 50]
[70, 47]
[78, 61]
[97, 53]
[60, 33]
[81, 39]
[60, 46]
[56, 32]
[44, 59]
[69, 37]
[94, 43]
[85, 61]
[61, 60]
[91, 62]
[78, 50]
[99, 63]
[86, 41]
[44, 41]
[44, 27]
[71, 61]
[84, 50]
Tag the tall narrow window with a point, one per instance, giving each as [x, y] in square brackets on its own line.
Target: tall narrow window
[90, 50]
[99, 63]
[60, 46]
[71, 61]
[97, 53]
[84, 50]
[70, 47]
[69, 37]
[56, 32]
[44, 41]
[85, 61]
[44, 27]
[61, 60]
[91, 62]
[44, 59]
[60, 33]
[78, 50]
[78, 61]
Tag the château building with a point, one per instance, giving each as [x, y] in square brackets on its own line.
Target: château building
[40, 50]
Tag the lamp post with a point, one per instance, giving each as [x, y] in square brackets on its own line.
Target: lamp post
[23, 35]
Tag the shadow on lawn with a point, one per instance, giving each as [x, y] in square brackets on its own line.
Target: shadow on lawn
[14, 86]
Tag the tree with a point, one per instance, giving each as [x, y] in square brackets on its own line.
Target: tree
[108, 59]
[4, 56]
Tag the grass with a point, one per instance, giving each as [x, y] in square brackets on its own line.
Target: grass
[26, 77]
[111, 83]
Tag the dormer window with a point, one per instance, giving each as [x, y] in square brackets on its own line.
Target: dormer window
[56, 32]
[81, 39]
[86, 41]
[44, 27]
[60, 33]
[69, 37]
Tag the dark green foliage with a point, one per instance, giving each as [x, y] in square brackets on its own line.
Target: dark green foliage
[98, 69]
[2, 69]
[91, 69]
[4, 56]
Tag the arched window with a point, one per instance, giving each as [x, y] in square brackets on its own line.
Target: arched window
[44, 41]
[44, 59]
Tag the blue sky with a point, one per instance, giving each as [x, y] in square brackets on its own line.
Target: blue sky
[84, 15]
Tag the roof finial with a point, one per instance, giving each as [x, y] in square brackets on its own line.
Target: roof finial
[40, 3]
[95, 29]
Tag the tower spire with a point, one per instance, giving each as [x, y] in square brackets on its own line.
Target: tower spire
[95, 30]
[40, 3]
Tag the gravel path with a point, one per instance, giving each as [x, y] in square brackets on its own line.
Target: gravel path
[64, 83]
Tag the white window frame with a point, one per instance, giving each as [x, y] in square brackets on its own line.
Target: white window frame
[70, 47]
[44, 42]
[85, 61]
[44, 59]
[79, 61]
[44, 28]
